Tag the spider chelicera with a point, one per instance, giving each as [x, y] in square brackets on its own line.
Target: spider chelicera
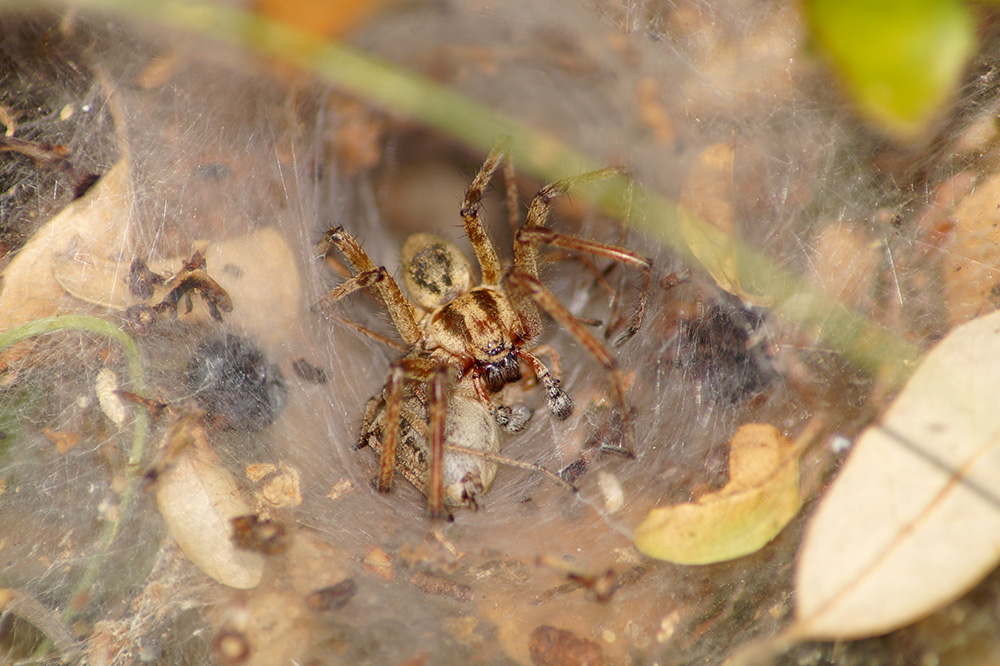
[466, 342]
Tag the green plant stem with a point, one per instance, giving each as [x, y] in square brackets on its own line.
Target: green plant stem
[864, 342]
[137, 379]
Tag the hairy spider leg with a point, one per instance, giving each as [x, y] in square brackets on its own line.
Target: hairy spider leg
[406, 368]
[524, 285]
[526, 254]
[486, 253]
[500, 155]
[401, 310]
[374, 278]
[438, 410]
[377, 337]
[532, 236]
[560, 404]
[512, 462]
[555, 360]
[534, 231]
[511, 198]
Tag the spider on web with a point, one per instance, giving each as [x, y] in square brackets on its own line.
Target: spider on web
[464, 342]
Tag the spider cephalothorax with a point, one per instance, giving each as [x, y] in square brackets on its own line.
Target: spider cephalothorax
[466, 342]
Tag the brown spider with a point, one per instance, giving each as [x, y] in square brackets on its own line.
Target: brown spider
[466, 342]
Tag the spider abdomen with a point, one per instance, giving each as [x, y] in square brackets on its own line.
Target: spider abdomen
[434, 270]
[468, 425]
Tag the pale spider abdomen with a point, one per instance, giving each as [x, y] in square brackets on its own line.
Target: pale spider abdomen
[468, 424]
[434, 270]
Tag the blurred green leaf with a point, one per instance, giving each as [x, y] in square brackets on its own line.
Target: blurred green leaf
[901, 60]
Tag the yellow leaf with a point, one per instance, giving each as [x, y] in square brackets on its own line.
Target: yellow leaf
[761, 497]
[707, 217]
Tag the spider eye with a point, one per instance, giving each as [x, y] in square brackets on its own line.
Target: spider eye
[499, 374]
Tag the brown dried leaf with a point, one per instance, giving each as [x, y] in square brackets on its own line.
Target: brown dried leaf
[88, 226]
[332, 597]
[550, 646]
[761, 497]
[970, 265]
[197, 499]
[913, 520]
[64, 441]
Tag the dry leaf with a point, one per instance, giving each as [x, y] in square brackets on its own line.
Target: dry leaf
[280, 490]
[64, 441]
[258, 271]
[970, 261]
[761, 497]
[257, 471]
[197, 499]
[844, 263]
[94, 224]
[913, 520]
[106, 387]
[708, 220]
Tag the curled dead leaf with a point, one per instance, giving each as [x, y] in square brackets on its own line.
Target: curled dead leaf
[913, 519]
[64, 441]
[761, 497]
[198, 499]
[89, 225]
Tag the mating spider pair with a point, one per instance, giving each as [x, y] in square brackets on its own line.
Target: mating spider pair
[466, 343]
